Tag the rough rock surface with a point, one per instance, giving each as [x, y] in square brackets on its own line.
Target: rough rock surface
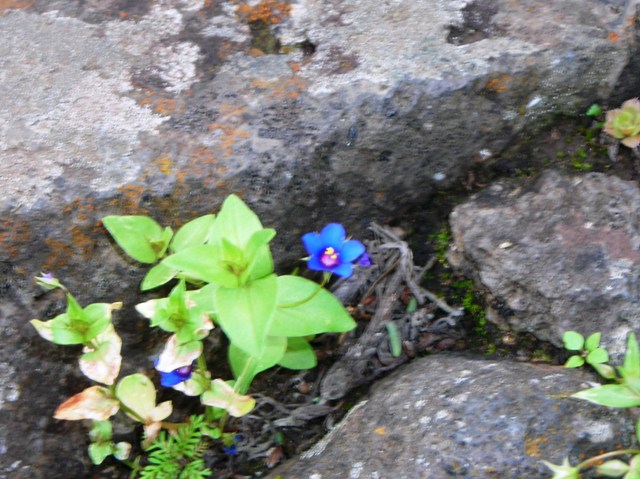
[451, 416]
[562, 254]
[164, 107]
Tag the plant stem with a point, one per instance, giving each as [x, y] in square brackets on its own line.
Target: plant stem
[589, 462]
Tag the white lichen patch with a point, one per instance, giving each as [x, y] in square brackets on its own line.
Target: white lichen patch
[9, 391]
[176, 65]
[66, 107]
[597, 431]
[356, 470]
[227, 27]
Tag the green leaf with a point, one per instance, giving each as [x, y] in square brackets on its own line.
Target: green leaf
[258, 254]
[631, 368]
[235, 222]
[157, 276]
[203, 263]
[64, 332]
[304, 309]
[573, 341]
[139, 236]
[101, 431]
[594, 110]
[612, 395]
[193, 233]
[249, 367]
[592, 342]
[598, 356]
[299, 355]
[638, 429]
[245, 313]
[98, 315]
[98, 452]
[604, 370]
[574, 362]
[564, 470]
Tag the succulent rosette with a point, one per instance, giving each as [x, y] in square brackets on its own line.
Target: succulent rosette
[624, 123]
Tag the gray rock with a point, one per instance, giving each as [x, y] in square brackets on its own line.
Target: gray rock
[562, 254]
[163, 108]
[452, 416]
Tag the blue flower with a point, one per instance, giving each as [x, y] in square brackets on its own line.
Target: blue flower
[177, 376]
[331, 251]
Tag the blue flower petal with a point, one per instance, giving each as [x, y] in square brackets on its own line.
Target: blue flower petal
[333, 235]
[351, 250]
[313, 243]
[315, 264]
[169, 380]
[344, 270]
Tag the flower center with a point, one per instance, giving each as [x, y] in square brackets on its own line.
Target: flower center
[329, 258]
[184, 371]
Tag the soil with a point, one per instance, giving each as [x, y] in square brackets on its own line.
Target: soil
[574, 145]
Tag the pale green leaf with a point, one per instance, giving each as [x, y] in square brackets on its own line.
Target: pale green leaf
[592, 342]
[574, 362]
[612, 468]
[604, 370]
[101, 431]
[121, 450]
[573, 341]
[631, 359]
[598, 356]
[612, 395]
[43, 328]
[304, 309]
[137, 393]
[299, 355]
[157, 276]
[245, 313]
[139, 236]
[564, 470]
[193, 233]
[203, 263]
[101, 361]
[222, 395]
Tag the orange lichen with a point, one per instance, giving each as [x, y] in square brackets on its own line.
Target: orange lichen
[532, 446]
[160, 102]
[498, 84]
[13, 4]
[613, 37]
[267, 11]
[164, 165]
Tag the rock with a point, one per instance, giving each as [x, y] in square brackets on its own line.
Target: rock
[164, 108]
[453, 416]
[560, 255]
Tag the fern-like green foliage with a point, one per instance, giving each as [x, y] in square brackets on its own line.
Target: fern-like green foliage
[178, 456]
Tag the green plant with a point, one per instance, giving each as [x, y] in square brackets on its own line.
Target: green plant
[224, 277]
[623, 392]
[178, 455]
[624, 123]
[468, 299]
